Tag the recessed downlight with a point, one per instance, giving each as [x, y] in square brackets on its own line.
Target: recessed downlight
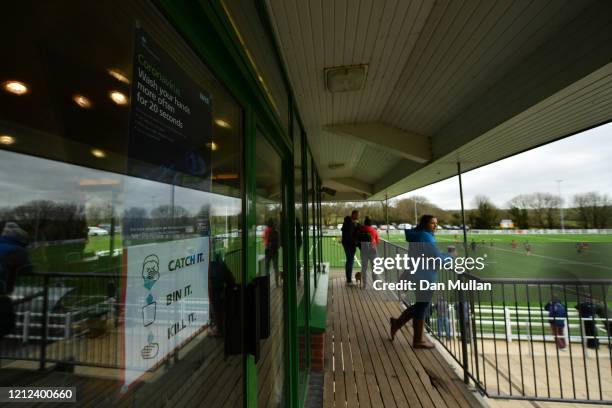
[82, 101]
[118, 75]
[15, 87]
[118, 97]
[223, 123]
[7, 140]
[99, 153]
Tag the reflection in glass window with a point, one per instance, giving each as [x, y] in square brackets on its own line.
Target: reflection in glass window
[270, 269]
[128, 279]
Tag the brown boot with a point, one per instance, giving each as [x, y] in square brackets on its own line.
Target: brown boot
[398, 323]
[419, 340]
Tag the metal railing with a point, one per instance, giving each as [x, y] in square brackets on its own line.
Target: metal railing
[75, 318]
[511, 346]
[68, 318]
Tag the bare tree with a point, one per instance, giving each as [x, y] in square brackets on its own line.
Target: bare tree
[485, 215]
[518, 209]
[593, 209]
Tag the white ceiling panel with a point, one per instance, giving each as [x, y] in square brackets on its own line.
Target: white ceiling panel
[481, 79]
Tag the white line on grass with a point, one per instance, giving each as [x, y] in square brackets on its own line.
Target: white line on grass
[565, 261]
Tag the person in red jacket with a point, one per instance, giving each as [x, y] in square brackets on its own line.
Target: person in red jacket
[271, 241]
[368, 239]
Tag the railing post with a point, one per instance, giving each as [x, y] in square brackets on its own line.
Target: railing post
[583, 331]
[45, 313]
[462, 327]
[449, 311]
[508, 320]
[453, 321]
[67, 324]
[26, 326]
[463, 333]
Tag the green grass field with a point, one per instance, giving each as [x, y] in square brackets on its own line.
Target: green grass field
[552, 257]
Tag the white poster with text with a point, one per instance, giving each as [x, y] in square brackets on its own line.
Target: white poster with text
[165, 300]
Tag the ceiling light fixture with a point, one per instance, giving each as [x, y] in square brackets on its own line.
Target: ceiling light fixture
[15, 87]
[7, 140]
[212, 146]
[118, 75]
[225, 176]
[82, 101]
[223, 123]
[118, 97]
[345, 79]
[100, 154]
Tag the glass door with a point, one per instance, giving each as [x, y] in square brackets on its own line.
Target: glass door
[269, 270]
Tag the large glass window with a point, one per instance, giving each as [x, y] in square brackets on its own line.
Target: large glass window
[301, 277]
[270, 266]
[120, 207]
[311, 224]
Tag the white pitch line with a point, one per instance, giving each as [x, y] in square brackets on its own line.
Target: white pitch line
[566, 261]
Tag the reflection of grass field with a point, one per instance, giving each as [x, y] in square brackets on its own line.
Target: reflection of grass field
[102, 243]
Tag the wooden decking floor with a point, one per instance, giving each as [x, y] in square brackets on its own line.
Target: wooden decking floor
[363, 368]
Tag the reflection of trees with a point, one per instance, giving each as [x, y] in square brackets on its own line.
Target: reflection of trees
[46, 220]
[62, 227]
[135, 213]
[171, 215]
[99, 212]
[167, 211]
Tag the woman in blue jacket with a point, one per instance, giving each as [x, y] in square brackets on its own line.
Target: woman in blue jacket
[422, 243]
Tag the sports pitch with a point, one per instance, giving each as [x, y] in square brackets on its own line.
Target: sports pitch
[553, 256]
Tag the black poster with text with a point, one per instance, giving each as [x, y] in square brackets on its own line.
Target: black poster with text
[170, 130]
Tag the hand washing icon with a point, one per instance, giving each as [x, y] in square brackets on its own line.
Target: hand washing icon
[149, 311]
[150, 350]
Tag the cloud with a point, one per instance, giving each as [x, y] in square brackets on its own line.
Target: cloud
[582, 162]
[26, 178]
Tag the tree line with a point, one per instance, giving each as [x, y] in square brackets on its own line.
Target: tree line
[534, 210]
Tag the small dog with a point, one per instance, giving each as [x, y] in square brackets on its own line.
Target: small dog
[358, 278]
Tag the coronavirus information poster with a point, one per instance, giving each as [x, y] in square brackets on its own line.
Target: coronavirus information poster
[165, 300]
[170, 131]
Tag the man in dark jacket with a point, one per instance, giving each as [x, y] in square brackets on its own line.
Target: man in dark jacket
[587, 311]
[350, 229]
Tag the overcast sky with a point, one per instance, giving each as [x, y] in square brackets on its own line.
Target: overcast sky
[583, 162]
[24, 178]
